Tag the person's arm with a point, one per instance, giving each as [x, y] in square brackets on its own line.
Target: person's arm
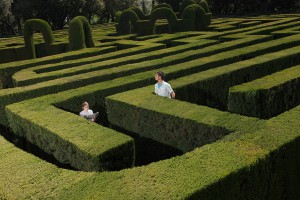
[93, 119]
[171, 91]
[173, 94]
[155, 89]
[81, 114]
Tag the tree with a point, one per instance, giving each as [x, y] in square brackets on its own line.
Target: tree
[6, 18]
[93, 7]
[144, 8]
[153, 4]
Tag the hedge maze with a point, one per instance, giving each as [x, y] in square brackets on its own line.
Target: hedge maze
[232, 132]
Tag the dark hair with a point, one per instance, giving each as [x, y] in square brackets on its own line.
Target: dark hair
[161, 74]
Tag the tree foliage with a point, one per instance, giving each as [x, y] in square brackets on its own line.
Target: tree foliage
[13, 13]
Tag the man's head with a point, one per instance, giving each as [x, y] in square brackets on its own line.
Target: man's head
[159, 76]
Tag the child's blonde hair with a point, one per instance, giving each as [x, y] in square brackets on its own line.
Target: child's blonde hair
[84, 104]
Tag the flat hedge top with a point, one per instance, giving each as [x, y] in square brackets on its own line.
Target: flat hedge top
[254, 150]
[179, 176]
[270, 81]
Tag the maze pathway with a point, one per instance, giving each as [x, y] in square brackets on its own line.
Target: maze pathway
[234, 123]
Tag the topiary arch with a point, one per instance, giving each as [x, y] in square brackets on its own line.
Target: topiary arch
[199, 18]
[204, 5]
[196, 17]
[80, 34]
[184, 4]
[138, 12]
[162, 5]
[40, 25]
[127, 17]
[164, 13]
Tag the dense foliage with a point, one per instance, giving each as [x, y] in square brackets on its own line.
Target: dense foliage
[244, 6]
[13, 13]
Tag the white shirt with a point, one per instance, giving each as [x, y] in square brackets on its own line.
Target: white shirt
[82, 113]
[164, 90]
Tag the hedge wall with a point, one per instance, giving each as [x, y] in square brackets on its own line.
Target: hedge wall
[127, 23]
[32, 25]
[27, 77]
[268, 96]
[7, 71]
[197, 16]
[159, 119]
[164, 13]
[74, 140]
[184, 4]
[17, 94]
[162, 5]
[143, 107]
[243, 165]
[139, 13]
[33, 75]
[80, 34]
[204, 5]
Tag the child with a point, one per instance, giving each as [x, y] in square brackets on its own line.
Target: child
[86, 111]
[163, 88]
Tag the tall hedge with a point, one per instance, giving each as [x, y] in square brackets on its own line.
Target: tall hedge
[40, 25]
[127, 22]
[184, 4]
[138, 12]
[164, 13]
[197, 16]
[80, 34]
[267, 97]
[204, 5]
[162, 5]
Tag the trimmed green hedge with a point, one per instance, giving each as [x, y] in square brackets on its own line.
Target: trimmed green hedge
[189, 22]
[184, 4]
[7, 71]
[258, 160]
[240, 165]
[268, 96]
[162, 5]
[196, 15]
[159, 119]
[32, 25]
[30, 75]
[139, 13]
[206, 88]
[213, 85]
[164, 13]
[204, 5]
[37, 74]
[127, 22]
[74, 140]
[80, 34]
[17, 94]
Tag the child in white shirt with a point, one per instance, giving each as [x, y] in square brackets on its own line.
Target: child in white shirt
[86, 111]
[163, 88]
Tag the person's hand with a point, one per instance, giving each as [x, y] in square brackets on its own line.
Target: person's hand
[93, 120]
[173, 95]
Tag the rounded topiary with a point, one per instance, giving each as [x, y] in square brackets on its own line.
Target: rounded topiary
[197, 16]
[204, 5]
[126, 18]
[40, 25]
[164, 13]
[184, 4]
[80, 34]
[117, 15]
[162, 5]
[138, 12]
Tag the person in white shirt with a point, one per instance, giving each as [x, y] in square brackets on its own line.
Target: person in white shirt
[163, 88]
[86, 110]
